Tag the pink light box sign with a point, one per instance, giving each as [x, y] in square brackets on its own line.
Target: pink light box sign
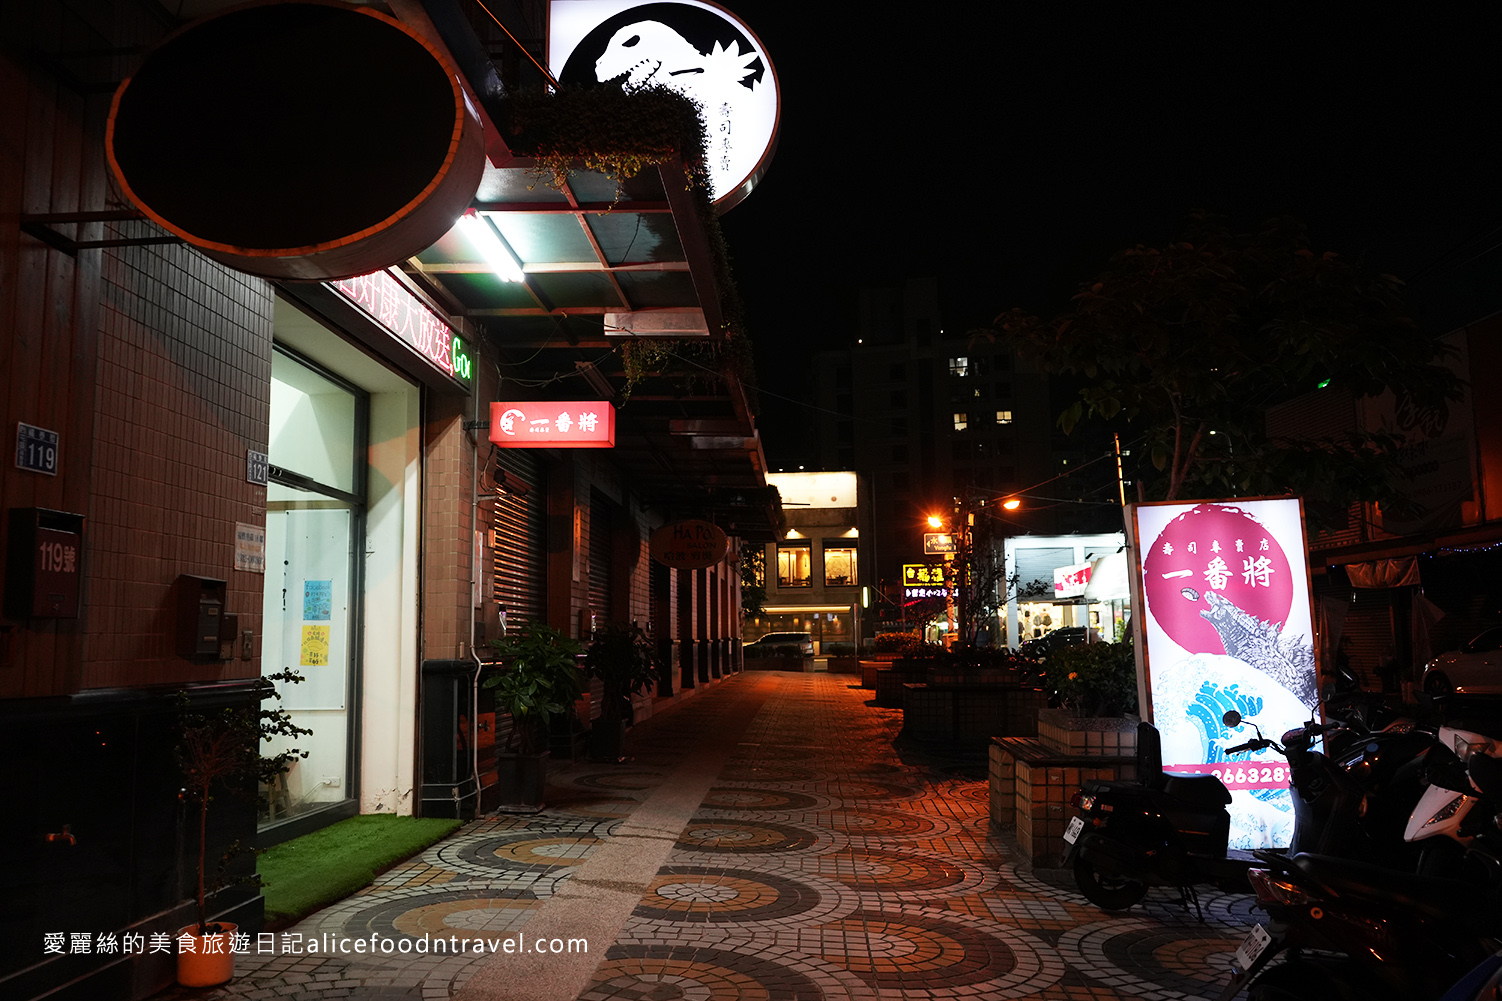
[1223, 620]
[552, 424]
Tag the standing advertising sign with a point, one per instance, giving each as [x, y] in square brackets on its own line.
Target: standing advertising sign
[1224, 622]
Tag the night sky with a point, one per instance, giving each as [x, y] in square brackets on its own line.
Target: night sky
[1011, 153]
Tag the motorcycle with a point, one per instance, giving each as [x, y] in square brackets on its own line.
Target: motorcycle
[1161, 830]
[1173, 830]
[1355, 930]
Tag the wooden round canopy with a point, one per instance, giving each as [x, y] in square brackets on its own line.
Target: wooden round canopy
[306, 140]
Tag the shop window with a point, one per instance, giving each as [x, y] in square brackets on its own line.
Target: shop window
[839, 563]
[959, 367]
[795, 565]
[314, 521]
[961, 421]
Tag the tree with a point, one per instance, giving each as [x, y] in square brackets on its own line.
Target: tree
[1191, 343]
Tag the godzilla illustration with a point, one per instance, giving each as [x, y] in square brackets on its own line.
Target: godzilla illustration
[1286, 659]
[650, 52]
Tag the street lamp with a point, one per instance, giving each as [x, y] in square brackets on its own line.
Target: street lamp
[1011, 504]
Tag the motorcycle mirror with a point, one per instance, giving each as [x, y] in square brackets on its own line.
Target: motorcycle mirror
[1232, 718]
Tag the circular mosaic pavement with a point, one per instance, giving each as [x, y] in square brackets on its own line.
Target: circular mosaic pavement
[619, 780]
[463, 914]
[1186, 958]
[705, 834]
[878, 871]
[698, 893]
[920, 952]
[527, 855]
[684, 973]
[726, 798]
[862, 789]
[876, 823]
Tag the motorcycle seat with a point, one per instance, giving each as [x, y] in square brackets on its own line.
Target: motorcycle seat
[1430, 897]
[1198, 790]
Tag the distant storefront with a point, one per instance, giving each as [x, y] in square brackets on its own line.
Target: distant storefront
[1065, 581]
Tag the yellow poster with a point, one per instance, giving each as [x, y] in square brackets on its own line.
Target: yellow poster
[315, 646]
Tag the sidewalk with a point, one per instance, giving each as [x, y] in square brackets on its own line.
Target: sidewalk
[766, 841]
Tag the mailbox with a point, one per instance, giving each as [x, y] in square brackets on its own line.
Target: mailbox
[200, 615]
[43, 564]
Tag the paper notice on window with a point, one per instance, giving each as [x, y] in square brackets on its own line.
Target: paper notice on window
[315, 646]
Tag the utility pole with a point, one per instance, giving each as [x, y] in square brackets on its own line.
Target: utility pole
[963, 520]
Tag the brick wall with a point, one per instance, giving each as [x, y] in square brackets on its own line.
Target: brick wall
[151, 363]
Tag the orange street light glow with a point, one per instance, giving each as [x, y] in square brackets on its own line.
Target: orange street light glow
[934, 521]
[1011, 504]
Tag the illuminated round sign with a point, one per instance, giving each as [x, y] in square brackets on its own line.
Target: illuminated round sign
[689, 545]
[698, 48]
[1209, 563]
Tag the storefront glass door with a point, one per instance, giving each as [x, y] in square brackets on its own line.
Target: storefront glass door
[314, 530]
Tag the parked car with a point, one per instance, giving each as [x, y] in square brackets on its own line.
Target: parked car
[768, 645]
[1040, 648]
[1474, 669]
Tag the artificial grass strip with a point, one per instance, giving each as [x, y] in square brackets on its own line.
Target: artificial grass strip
[313, 871]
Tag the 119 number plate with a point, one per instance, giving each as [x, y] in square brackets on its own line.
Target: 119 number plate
[1072, 832]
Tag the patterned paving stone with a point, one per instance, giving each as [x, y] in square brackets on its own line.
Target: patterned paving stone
[826, 862]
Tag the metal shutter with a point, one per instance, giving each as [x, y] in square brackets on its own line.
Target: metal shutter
[600, 520]
[517, 539]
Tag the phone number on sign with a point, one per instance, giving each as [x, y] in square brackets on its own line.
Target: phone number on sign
[1237, 776]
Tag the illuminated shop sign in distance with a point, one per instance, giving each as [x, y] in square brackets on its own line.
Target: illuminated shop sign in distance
[403, 315]
[552, 424]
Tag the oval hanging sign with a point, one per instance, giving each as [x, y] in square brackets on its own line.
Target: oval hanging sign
[689, 545]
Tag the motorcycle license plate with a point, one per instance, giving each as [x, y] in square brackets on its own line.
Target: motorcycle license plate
[1072, 832]
[1253, 946]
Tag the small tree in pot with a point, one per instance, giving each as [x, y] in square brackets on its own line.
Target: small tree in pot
[538, 679]
[221, 751]
[623, 657]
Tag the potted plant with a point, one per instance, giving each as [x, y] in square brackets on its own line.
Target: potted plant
[538, 679]
[622, 656]
[221, 752]
[1095, 688]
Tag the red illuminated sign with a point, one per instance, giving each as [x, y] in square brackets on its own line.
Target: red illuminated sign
[404, 315]
[553, 424]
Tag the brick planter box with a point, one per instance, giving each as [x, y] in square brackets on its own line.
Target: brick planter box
[844, 665]
[891, 678]
[1033, 779]
[1062, 731]
[970, 714]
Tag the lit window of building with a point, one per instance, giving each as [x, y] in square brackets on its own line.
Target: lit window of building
[795, 565]
[959, 366]
[961, 421]
[839, 563]
[1003, 417]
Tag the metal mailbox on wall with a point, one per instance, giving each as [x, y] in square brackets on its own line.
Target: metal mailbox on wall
[44, 564]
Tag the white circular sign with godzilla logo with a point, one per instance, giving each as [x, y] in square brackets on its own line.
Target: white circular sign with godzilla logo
[698, 48]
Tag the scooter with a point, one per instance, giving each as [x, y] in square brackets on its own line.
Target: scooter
[1353, 930]
[1173, 830]
[1162, 830]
